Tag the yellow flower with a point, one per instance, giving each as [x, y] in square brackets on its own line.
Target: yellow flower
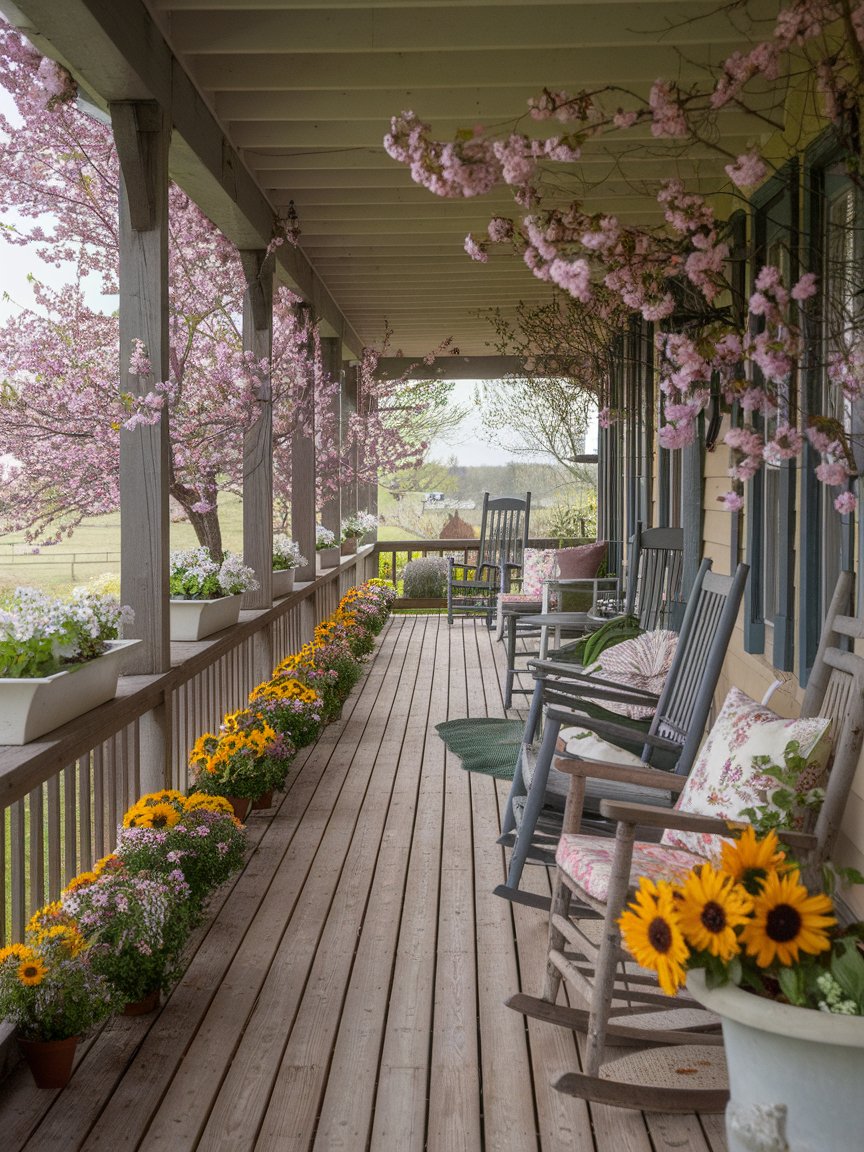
[787, 920]
[748, 860]
[79, 881]
[68, 935]
[18, 951]
[31, 971]
[105, 862]
[211, 803]
[159, 816]
[711, 907]
[651, 933]
[164, 797]
[46, 915]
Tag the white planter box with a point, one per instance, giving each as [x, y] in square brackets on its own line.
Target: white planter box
[195, 619]
[32, 706]
[329, 557]
[283, 582]
[795, 1074]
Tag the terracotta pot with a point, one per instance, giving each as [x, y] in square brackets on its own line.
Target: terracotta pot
[265, 800]
[349, 546]
[145, 1005]
[50, 1061]
[241, 806]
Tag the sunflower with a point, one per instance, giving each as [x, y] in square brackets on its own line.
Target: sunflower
[210, 803]
[166, 796]
[159, 816]
[109, 861]
[31, 971]
[651, 933]
[787, 920]
[46, 915]
[748, 860]
[711, 907]
[18, 951]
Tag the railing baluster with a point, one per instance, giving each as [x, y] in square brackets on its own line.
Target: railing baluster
[19, 870]
[52, 788]
[72, 816]
[36, 810]
[85, 812]
[99, 800]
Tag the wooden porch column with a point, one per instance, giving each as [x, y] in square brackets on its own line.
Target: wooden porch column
[367, 490]
[331, 352]
[303, 477]
[258, 440]
[349, 407]
[142, 133]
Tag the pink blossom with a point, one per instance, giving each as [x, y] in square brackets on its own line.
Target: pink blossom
[574, 276]
[846, 503]
[731, 501]
[475, 251]
[748, 170]
[805, 288]
[667, 115]
[833, 472]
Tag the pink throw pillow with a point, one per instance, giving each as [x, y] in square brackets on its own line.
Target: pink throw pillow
[582, 562]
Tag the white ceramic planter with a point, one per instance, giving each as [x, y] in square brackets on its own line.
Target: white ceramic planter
[329, 557]
[795, 1074]
[195, 619]
[32, 706]
[283, 582]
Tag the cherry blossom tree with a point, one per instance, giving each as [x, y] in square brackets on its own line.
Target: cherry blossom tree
[61, 407]
[683, 266]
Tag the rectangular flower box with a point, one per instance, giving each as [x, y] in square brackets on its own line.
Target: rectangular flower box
[195, 619]
[329, 557]
[33, 705]
[283, 582]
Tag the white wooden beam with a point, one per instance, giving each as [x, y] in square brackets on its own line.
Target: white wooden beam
[331, 356]
[303, 484]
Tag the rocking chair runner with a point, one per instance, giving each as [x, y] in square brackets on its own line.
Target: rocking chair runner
[621, 999]
[472, 588]
[669, 742]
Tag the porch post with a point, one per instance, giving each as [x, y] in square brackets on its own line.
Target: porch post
[348, 483]
[367, 490]
[331, 354]
[258, 440]
[303, 472]
[142, 133]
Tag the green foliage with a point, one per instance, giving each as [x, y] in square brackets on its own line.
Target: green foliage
[790, 802]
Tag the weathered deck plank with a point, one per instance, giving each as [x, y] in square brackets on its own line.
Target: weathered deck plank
[348, 994]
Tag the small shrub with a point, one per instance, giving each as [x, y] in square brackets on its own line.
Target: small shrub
[425, 578]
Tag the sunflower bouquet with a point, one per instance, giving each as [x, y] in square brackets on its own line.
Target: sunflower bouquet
[197, 836]
[48, 987]
[246, 758]
[752, 922]
[290, 707]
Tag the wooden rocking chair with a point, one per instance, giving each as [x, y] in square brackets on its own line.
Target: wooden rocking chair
[669, 742]
[626, 1007]
[472, 589]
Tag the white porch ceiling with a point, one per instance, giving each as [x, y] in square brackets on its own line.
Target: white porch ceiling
[304, 89]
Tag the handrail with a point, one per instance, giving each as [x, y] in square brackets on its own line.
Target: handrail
[61, 796]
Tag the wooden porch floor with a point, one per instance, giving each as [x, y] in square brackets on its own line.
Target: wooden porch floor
[348, 990]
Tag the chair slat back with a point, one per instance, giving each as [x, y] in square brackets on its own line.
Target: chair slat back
[503, 529]
[654, 576]
[684, 704]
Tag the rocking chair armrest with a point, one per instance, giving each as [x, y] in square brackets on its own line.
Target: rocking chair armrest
[646, 776]
[584, 683]
[614, 732]
[655, 817]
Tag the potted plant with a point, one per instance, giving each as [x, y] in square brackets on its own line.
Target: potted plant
[198, 835]
[205, 595]
[137, 925]
[52, 993]
[286, 557]
[326, 547]
[767, 955]
[290, 707]
[354, 528]
[243, 762]
[58, 658]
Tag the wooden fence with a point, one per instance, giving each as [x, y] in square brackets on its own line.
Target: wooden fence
[62, 795]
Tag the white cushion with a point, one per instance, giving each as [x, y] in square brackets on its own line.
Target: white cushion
[589, 746]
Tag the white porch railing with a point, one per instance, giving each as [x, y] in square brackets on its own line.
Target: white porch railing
[61, 796]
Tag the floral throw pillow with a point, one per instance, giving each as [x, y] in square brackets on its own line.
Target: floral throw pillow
[724, 779]
[642, 663]
[538, 564]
